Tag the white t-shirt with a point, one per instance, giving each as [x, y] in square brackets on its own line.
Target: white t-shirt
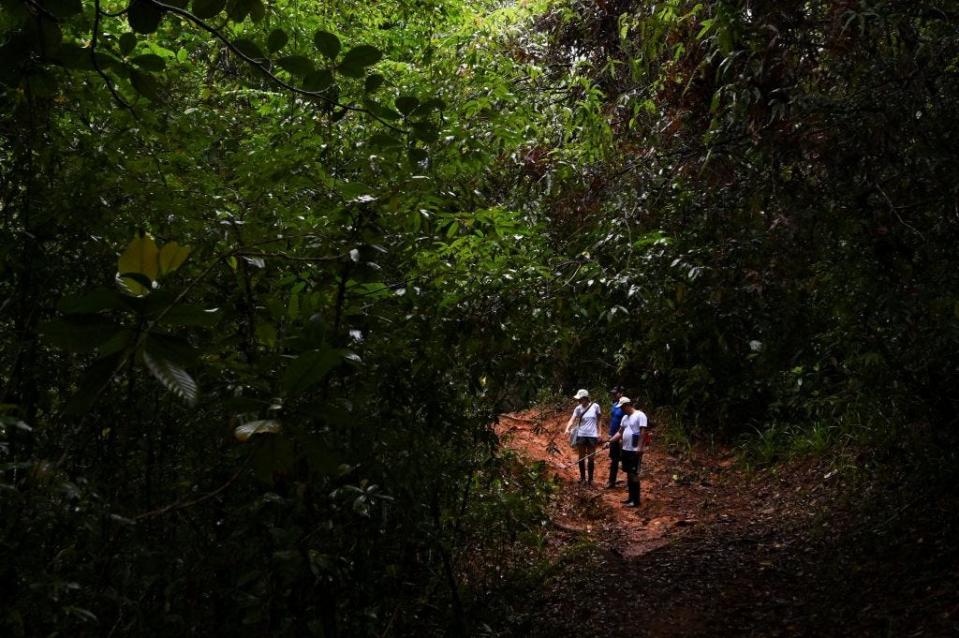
[632, 427]
[588, 419]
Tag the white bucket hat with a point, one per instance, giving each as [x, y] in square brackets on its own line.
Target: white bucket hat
[581, 394]
[623, 401]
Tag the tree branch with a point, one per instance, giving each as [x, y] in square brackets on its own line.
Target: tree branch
[260, 66]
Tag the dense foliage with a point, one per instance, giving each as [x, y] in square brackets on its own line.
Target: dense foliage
[270, 271]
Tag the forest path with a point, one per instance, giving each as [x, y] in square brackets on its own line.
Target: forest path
[679, 492]
[714, 550]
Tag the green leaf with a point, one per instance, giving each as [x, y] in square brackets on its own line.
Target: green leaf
[384, 140]
[373, 82]
[140, 256]
[191, 315]
[309, 369]
[137, 284]
[149, 61]
[79, 333]
[405, 104]
[91, 302]
[171, 257]
[172, 348]
[380, 111]
[146, 85]
[237, 10]
[297, 65]
[317, 80]
[73, 56]
[144, 16]
[417, 155]
[249, 48]
[63, 8]
[206, 9]
[250, 428]
[358, 59]
[128, 42]
[257, 10]
[91, 383]
[424, 131]
[173, 377]
[276, 40]
[327, 44]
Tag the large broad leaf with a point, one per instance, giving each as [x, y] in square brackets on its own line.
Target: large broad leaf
[251, 428]
[309, 369]
[277, 40]
[425, 132]
[91, 302]
[92, 384]
[406, 103]
[358, 58]
[173, 377]
[249, 48]
[237, 10]
[146, 85]
[257, 10]
[141, 257]
[206, 9]
[296, 64]
[373, 82]
[144, 16]
[191, 315]
[327, 44]
[149, 62]
[318, 80]
[63, 8]
[80, 333]
[172, 256]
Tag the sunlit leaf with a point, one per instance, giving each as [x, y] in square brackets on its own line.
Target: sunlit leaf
[139, 257]
[173, 377]
[171, 256]
[250, 428]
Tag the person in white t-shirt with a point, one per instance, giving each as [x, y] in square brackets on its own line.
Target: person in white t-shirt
[632, 431]
[585, 419]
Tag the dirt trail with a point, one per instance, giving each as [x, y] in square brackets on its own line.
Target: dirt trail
[678, 492]
[714, 551]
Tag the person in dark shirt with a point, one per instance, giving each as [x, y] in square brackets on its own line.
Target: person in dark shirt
[616, 415]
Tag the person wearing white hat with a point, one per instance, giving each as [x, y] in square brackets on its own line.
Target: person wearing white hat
[631, 433]
[585, 419]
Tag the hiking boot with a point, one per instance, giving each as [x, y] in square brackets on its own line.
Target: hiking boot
[610, 486]
[630, 504]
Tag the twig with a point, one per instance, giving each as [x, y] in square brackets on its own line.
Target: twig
[178, 505]
[93, 57]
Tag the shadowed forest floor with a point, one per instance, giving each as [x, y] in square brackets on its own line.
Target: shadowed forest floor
[715, 550]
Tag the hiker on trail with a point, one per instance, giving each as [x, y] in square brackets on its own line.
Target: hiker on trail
[585, 421]
[631, 434]
[616, 415]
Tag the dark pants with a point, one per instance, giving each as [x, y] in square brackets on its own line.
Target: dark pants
[614, 449]
[632, 461]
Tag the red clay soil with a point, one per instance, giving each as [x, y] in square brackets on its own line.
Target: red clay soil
[714, 550]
